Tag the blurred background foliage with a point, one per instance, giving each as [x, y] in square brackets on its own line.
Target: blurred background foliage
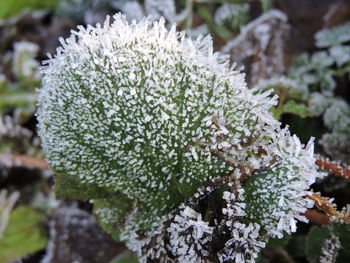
[10, 8]
[298, 48]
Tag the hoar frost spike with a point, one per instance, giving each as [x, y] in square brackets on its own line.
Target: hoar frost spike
[153, 126]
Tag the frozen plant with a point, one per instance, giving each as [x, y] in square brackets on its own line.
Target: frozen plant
[233, 14]
[24, 63]
[172, 147]
[333, 36]
[309, 87]
[337, 119]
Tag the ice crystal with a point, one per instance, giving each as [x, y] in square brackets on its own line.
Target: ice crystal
[343, 215]
[189, 233]
[329, 250]
[183, 235]
[245, 241]
[243, 247]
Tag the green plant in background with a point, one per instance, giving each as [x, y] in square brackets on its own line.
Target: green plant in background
[21, 232]
[24, 66]
[309, 89]
[20, 96]
[182, 160]
[10, 8]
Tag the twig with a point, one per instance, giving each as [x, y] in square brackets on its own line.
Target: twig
[329, 209]
[334, 167]
[26, 161]
[323, 204]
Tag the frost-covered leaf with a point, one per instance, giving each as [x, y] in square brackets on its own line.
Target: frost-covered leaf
[318, 103]
[337, 117]
[261, 46]
[275, 195]
[336, 145]
[340, 54]
[234, 15]
[333, 36]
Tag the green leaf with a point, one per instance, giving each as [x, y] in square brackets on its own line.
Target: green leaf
[24, 234]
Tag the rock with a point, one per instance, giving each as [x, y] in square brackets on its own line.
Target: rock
[76, 236]
[263, 47]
